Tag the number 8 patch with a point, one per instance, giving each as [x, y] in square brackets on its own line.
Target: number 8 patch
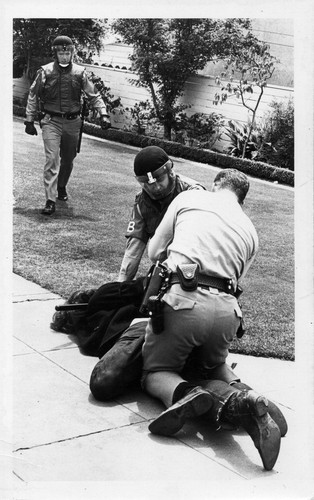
[131, 226]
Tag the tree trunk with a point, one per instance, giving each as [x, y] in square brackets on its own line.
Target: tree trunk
[248, 136]
[167, 131]
[254, 111]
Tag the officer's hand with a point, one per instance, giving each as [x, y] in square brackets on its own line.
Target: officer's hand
[30, 128]
[105, 122]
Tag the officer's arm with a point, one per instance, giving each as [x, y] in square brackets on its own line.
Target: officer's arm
[253, 252]
[32, 100]
[189, 183]
[137, 238]
[163, 236]
[197, 186]
[93, 96]
[131, 259]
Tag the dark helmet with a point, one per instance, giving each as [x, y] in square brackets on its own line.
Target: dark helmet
[152, 165]
[62, 42]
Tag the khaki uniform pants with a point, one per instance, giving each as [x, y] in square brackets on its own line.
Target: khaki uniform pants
[204, 320]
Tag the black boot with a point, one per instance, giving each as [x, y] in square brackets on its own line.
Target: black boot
[50, 208]
[62, 194]
[273, 409]
[196, 402]
[249, 410]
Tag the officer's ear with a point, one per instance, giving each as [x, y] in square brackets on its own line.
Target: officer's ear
[216, 186]
[171, 171]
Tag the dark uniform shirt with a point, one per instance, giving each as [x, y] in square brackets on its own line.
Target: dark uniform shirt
[146, 216]
[59, 90]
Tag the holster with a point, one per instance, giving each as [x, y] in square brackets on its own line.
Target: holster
[155, 309]
[40, 117]
[155, 280]
[242, 329]
[188, 276]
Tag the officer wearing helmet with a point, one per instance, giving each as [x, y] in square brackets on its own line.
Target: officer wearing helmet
[56, 94]
[160, 185]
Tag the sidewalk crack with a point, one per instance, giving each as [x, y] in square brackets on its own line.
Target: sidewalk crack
[76, 437]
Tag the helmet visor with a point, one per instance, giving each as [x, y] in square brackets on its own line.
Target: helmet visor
[155, 176]
[63, 48]
[157, 184]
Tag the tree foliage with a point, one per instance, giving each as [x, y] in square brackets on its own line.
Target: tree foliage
[32, 39]
[166, 52]
[279, 132]
[249, 68]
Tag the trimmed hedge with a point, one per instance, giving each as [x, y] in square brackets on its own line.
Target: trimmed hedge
[252, 168]
[249, 167]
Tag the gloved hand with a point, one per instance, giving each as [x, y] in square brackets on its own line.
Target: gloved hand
[105, 122]
[30, 128]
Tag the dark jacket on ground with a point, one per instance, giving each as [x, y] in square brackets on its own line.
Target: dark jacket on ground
[110, 310]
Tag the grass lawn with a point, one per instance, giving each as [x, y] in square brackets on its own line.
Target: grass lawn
[82, 244]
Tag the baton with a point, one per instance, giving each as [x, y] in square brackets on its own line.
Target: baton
[82, 125]
[72, 307]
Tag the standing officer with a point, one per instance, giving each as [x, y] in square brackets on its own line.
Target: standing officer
[210, 244]
[160, 185]
[56, 93]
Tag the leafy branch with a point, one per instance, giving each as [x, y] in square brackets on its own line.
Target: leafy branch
[246, 71]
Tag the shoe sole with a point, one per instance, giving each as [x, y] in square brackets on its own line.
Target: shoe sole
[268, 444]
[278, 418]
[273, 410]
[173, 419]
[262, 406]
[268, 439]
[258, 404]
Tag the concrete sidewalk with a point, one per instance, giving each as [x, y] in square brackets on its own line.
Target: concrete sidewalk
[67, 445]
